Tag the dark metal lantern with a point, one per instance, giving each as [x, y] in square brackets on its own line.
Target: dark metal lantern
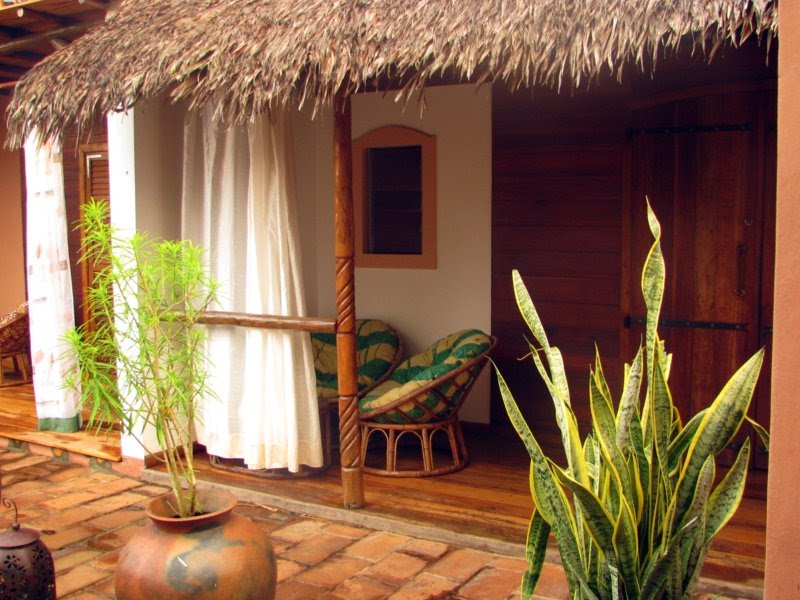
[26, 565]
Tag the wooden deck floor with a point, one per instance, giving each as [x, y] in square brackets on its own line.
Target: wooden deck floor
[18, 421]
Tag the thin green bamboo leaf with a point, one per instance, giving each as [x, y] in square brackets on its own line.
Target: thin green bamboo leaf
[719, 425]
[761, 431]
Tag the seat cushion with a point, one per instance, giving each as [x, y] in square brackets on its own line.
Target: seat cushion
[441, 358]
[376, 348]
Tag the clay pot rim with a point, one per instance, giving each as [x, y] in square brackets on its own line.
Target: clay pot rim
[219, 504]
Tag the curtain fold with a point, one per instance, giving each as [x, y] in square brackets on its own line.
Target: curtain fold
[50, 302]
[238, 202]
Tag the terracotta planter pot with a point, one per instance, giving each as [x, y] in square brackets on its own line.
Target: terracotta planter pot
[212, 556]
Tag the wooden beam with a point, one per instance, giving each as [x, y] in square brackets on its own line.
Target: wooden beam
[268, 321]
[344, 250]
[39, 38]
[25, 11]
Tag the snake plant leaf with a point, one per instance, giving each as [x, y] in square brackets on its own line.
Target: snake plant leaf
[626, 546]
[642, 480]
[567, 424]
[726, 496]
[719, 424]
[653, 279]
[535, 549]
[548, 496]
[683, 440]
[662, 565]
[531, 317]
[599, 523]
[629, 401]
[661, 418]
[606, 433]
[762, 433]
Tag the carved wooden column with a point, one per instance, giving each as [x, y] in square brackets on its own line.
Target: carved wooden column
[349, 435]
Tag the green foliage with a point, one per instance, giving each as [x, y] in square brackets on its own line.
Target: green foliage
[635, 509]
[142, 342]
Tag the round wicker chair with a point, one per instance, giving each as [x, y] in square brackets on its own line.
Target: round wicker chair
[421, 398]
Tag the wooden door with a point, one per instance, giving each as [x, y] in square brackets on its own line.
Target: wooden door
[706, 163]
[93, 183]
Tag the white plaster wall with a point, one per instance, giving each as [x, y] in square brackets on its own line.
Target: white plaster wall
[422, 304]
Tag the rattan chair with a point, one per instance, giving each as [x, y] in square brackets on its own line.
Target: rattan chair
[15, 346]
[421, 398]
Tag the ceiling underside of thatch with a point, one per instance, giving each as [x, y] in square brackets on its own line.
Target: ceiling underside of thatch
[245, 56]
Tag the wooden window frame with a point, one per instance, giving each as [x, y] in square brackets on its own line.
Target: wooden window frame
[389, 137]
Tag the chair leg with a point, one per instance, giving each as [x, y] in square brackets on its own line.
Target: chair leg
[427, 450]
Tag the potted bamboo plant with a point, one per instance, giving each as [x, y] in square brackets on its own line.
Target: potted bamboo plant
[141, 363]
[635, 509]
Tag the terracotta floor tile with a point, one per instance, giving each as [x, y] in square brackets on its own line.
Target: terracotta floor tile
[114, 539]
[396, 568]
[316, 548]
[425, 548]
[297, 532]
[461, 564]
[377, 545]
[360, 588]
[107, 560]
[510, 563]
[64, 537]
[334, 571]
[287, 569]
[490, 584]
[117, 501]
[69, 500]
[552, 582]
[355, 533]
[114, 486]
[69, 473]
[70, 558]
[297, 590]
[23, 462]
[64, 518]
[426, 587]
[78, 578]
[118, 518]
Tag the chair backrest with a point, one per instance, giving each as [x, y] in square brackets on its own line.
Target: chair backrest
[14, 330]
[378, 349]
[432, 384]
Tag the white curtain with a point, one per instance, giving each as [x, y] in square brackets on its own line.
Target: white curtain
[238, 202]
[50, 304]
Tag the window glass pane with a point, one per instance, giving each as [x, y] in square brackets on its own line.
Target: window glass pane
[394, 200]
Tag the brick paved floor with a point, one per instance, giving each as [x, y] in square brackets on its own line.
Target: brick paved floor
[86, 515]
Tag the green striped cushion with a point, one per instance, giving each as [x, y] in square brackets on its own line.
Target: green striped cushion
[376, 347]
[419, 370]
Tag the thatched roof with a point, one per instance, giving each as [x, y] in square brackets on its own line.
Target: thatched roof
[246, 56]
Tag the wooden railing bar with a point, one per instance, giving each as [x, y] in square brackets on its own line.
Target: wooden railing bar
[310, 324]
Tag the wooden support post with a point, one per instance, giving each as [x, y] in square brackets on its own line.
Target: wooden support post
[349, 434]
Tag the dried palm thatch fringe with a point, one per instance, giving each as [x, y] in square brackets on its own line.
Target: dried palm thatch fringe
[246, 56]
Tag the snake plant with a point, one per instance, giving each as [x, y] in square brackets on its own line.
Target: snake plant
[636, 507]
